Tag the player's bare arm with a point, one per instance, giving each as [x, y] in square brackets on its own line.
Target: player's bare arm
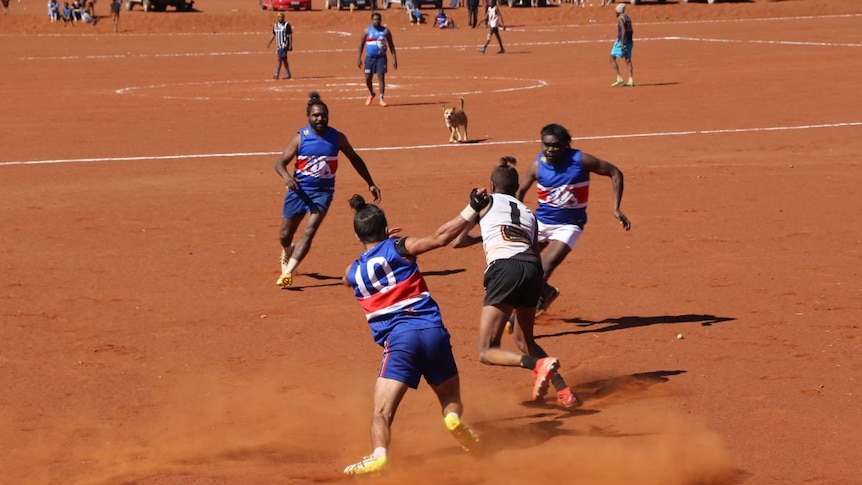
[361, 48]
[607, 169]
[392, 48]
[527, 181]
[446, 233]
[283, 161]
[359, 165]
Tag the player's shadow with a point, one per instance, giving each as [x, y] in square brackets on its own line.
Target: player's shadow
[527, 430]
[621, 388]
[647, 85]
[427, 103]
[336, 280]
[622, 323]
[319, 277]
[443, 272]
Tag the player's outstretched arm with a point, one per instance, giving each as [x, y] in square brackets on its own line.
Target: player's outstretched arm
[450, 230]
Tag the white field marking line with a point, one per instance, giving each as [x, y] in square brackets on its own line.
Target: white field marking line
[442, 145]
[342, 87]
[426, 47]
[780, 42]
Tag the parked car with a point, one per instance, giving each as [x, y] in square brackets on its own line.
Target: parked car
[285, 4]
[161, 5]
[351, 4]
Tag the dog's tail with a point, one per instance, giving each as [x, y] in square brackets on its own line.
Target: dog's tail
[462, 103]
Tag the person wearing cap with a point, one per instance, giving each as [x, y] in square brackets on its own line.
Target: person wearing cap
[623, 46]
[282, 34]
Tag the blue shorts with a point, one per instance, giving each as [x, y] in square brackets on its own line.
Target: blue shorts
[617, 50]
[300, 202]
[282, 52]
[412, 354]
[375, 65]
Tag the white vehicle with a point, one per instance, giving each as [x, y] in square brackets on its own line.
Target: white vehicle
[161, 5]
[351, 4]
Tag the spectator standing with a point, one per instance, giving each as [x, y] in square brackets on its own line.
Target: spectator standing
[472, 13]
[282, 33]
[115, 13]
[623, 46]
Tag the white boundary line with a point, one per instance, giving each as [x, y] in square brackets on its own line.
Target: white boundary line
[446, 145]
[426, 47]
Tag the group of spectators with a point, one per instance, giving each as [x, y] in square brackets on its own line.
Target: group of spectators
[72, 13]
[81, 11]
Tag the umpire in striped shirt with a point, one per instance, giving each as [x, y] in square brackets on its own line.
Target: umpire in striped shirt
[282, 34]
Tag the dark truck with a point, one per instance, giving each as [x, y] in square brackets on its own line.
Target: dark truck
[161, 5]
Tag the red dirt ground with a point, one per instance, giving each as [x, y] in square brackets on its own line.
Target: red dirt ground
[144, 341]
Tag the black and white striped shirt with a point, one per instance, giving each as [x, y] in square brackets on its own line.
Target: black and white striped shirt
[282, 32]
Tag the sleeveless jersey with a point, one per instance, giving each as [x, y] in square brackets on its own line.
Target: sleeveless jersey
[508, 230]
[563, 190]
[392, 292]
[627, 21]
[375, 42]
[317, 160]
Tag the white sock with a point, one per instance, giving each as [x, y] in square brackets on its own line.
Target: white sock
[379, 452]
[292, 264]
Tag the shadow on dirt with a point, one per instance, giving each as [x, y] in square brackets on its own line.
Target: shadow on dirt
[524, 431]
[622, 387]
[623, 323]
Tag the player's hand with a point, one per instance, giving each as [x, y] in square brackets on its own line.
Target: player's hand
[393, 231]
[290, 183]
[376, 192]
[479, 199]
[624, 221]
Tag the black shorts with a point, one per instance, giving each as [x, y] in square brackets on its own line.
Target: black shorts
[513, 282]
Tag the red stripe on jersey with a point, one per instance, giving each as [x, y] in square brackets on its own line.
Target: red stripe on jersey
[409, 288]
[568, 196]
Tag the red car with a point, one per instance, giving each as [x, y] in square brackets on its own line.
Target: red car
[285, 4]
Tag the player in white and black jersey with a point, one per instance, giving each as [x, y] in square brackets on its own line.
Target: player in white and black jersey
[513, 281]
[282, 34]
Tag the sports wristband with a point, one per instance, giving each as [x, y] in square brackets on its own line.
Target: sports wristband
[469, 214]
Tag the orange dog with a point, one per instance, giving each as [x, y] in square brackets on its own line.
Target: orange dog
[456, 121]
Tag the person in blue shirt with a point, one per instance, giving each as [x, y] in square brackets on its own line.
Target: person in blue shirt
[442, 21]
[375, 41]
[405, 320]
[562, 177]
[311, 186]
